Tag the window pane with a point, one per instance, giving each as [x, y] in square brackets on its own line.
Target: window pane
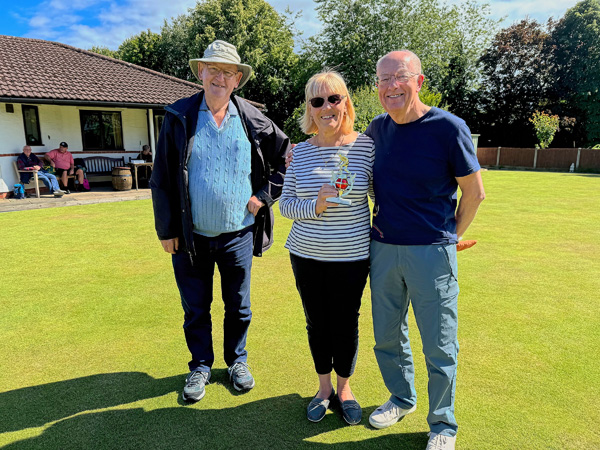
[112, 131]
[32, 125]
[101, 130]
[90, 130]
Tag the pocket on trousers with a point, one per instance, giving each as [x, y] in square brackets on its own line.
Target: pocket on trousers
[449, 253]
[448, 311]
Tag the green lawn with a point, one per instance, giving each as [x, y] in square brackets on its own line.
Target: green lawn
[93, 355]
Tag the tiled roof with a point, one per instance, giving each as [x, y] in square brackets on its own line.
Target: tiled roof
[36, 69]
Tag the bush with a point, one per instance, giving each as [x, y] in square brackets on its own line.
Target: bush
[291, 126]
[366, 106]
[545, 126]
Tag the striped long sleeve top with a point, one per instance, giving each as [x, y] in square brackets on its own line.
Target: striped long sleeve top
[341, 232]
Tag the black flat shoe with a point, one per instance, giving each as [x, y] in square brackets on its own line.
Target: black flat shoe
[318, 407]
[351, 411]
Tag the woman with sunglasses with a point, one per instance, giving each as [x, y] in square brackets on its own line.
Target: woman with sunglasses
[329, 242]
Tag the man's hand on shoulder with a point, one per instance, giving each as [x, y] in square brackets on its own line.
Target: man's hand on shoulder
[289, 157]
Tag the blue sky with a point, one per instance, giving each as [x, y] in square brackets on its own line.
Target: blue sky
[85, 23]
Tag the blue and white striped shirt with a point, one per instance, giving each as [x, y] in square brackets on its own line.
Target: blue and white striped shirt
[340, 233]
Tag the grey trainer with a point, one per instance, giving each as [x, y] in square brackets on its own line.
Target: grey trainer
[194, 385]
[240, 376]
[388, 414]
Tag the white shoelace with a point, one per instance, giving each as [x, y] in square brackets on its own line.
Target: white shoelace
[197, 377]
[439, 442]
[389, 408]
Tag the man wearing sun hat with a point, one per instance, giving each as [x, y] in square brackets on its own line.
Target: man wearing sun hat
[218, 169]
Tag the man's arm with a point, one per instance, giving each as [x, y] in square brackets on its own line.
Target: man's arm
[471, 187]
[49, 159]
[21, 163]
[164, 186]
[275, 148]
[37, 164]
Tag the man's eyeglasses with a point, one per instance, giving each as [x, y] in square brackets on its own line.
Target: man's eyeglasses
[215, 71]
[334, 99]
[401, 78]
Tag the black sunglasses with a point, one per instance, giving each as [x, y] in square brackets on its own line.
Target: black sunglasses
[334, 99]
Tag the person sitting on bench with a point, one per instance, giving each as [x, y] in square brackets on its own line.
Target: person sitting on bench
[62, 160]
[28, 161]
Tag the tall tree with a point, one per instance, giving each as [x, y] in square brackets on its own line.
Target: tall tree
[516, 79]
[106, 52]
[356, 33]
[264, 40]
[458, 93]
[576, 38]
[263, 37]
[143, 50]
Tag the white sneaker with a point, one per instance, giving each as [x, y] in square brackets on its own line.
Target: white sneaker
[388, 414]
[440, 442]
[58, 193]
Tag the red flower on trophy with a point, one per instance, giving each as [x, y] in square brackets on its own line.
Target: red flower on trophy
[341, 183]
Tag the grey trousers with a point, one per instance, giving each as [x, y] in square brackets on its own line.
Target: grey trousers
[426, 276]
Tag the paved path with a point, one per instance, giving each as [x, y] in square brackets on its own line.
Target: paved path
[101, 194]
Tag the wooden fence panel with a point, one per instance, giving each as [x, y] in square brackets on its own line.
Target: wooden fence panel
[589, 159]
[517, 157]
[556, 158]
[487, 156]
[547, 158]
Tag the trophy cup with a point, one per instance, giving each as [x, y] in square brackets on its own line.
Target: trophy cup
[343, 181]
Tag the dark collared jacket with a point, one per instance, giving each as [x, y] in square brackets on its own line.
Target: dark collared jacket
[169, 182]
[23, 162]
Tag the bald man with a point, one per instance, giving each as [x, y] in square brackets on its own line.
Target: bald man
[423, 154]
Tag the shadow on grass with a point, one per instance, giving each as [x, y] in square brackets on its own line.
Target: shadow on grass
[277, 422]
[583, 174]
[37, 405]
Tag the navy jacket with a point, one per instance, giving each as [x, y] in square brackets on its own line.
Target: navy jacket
[23, 162]
[169, 181]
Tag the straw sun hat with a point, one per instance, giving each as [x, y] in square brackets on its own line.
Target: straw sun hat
[224, 53]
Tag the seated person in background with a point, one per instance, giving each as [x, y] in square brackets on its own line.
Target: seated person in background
[145, 155]
[62, 160]
[28, 161]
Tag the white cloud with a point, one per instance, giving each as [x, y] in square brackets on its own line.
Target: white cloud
[63, 5]
[113, 22]
[39, 21]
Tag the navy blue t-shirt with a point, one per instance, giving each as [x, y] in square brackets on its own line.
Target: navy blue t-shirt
[414, 177]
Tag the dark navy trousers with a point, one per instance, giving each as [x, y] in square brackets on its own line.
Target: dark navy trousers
[232, 253]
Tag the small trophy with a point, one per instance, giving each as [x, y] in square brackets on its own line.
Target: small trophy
[343, 181]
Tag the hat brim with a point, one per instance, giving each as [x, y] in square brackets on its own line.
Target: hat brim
[244, 68]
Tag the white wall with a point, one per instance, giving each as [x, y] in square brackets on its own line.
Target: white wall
[61, 123]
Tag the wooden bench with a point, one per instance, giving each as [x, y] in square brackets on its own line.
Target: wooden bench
[99, 168]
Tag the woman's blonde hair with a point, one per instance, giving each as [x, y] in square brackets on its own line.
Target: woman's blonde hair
[327, 80]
